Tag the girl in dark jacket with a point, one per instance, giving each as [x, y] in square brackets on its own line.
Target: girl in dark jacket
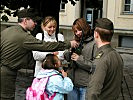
[80, 59]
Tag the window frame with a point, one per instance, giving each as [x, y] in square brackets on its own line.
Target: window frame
[130, 11]
[61, 5]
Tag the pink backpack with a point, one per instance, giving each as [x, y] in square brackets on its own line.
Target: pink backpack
[37, 90]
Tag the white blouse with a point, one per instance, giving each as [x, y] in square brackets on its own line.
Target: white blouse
[39, 56]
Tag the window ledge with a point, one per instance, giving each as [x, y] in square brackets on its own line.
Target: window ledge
[127, 13]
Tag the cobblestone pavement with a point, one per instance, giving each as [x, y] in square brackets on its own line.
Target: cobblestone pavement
[25, 77]
[127, 86]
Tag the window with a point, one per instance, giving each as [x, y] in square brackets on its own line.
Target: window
[62, 7]
[126, 41]
[128, 6]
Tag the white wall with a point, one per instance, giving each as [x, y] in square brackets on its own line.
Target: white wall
[70, 14]
[114, 12]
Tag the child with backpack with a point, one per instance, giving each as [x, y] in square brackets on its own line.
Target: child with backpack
[50, 84]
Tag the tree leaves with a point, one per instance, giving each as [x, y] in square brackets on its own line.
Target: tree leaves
[4, 18]
[72, 2]
[15, 13]
[8, 12]
[14, 5]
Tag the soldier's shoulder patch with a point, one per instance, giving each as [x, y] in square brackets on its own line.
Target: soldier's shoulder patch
[29, 32]
[99, 55]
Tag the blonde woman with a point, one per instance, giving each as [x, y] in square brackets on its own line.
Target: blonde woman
[48, 26]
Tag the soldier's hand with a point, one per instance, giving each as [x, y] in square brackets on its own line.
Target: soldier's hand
[74, 44]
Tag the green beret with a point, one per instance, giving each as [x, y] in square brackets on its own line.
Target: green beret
[104, 23]
[31, 13]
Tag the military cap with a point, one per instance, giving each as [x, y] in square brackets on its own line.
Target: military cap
[104, 23]
[30, 12]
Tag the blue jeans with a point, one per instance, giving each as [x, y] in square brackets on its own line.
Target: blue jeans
[77, 93]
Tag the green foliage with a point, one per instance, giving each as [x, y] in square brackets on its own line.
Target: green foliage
[4, 18]
[8, 12]
[12, 6]
[73, 2]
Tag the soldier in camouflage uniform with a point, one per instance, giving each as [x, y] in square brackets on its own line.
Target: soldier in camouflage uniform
[106, 80]
[16, 50]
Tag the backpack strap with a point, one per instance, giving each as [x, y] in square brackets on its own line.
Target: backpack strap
[42, 36]
[42, 83]
[51, 98]
[45, 94]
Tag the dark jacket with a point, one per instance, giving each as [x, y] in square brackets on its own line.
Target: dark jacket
[106, 81]
[80, 70]
[17, 45]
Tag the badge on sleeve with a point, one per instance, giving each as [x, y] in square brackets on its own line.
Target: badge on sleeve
[99, 55]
